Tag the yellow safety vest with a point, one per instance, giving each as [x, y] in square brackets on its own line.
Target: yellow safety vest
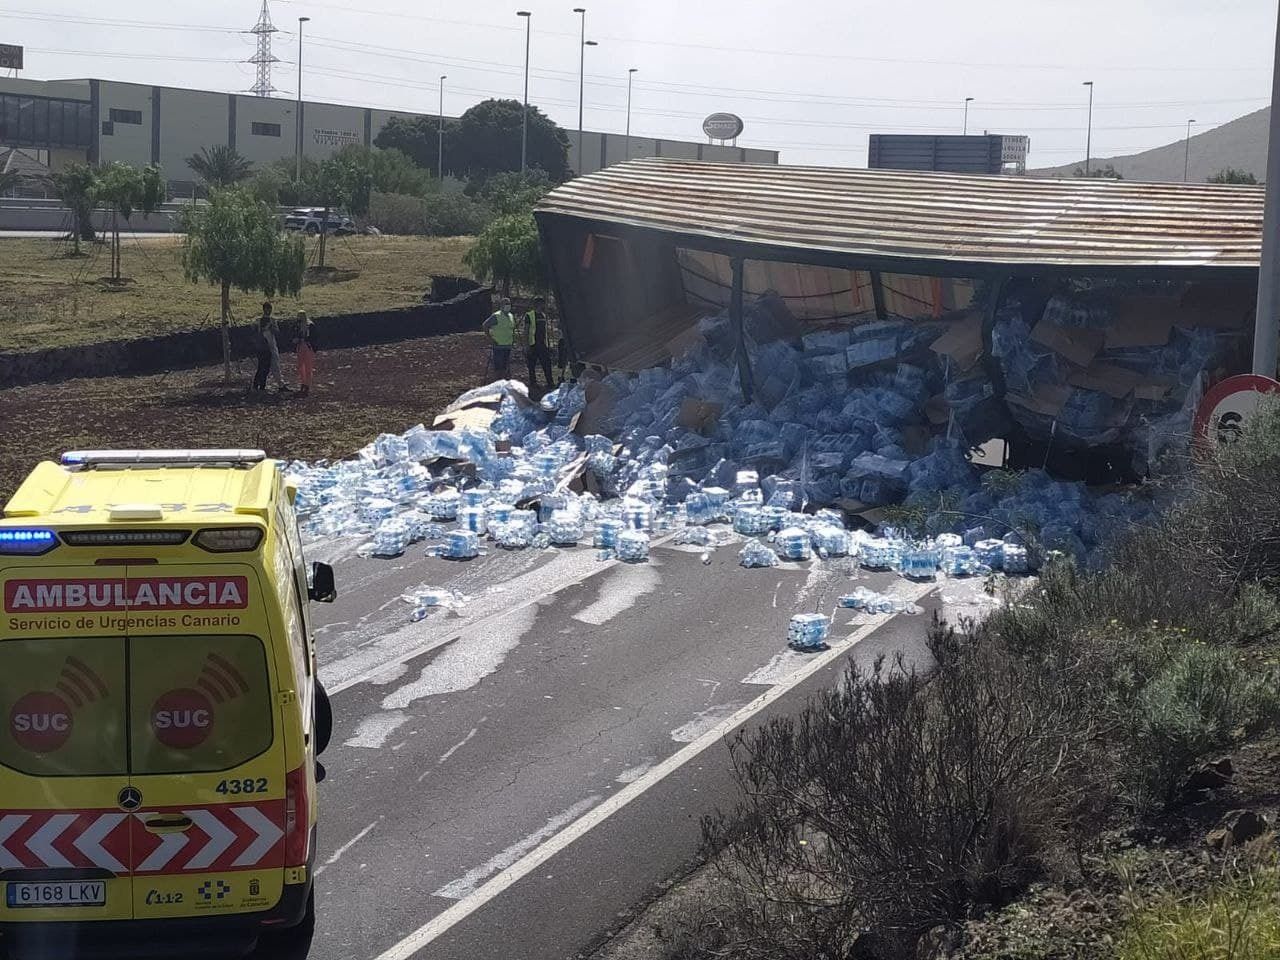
[531, 321]
[503, 331]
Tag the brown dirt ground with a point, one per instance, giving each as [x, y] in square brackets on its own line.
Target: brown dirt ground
[359, 393]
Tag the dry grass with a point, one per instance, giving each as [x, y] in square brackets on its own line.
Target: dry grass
[48, 299]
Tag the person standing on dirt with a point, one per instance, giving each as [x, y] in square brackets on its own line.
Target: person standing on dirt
[263, 338]
[538, 343]
[273, 344]
[501, 328]
[306, 353]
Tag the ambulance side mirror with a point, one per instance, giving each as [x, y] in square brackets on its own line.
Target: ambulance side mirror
[322, 589]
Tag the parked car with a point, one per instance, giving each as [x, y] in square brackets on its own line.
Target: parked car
[309, 219]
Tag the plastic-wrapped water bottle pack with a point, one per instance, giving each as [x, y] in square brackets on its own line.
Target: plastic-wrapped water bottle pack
[757, 554]
[807, 632]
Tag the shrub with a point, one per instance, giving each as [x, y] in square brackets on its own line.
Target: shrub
[438, 215]
[1237, 919]
[891, 804]
[508, 253]
[1199, 700]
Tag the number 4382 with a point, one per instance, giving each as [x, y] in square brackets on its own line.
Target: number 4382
[247, 785]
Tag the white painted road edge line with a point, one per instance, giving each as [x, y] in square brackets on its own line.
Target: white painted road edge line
[442, 922]
[337, 688]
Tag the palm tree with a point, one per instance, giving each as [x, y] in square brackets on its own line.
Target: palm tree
[221, 166]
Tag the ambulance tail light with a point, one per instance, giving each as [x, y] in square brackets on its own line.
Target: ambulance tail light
[26, 541]
[297, 821]
[229, 539]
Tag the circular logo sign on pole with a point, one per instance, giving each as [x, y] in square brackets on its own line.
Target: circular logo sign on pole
[722, 126]
[1222, 413]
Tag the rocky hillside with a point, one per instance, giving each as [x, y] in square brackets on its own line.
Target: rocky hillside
[1242, 144]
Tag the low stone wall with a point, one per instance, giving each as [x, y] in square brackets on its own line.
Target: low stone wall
[194, 348]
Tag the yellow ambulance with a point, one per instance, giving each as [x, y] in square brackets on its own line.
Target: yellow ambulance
[160, 714]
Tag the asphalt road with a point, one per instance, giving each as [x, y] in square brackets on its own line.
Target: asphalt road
[468, 746]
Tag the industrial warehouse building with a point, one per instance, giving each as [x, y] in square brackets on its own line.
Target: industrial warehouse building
[63, 121]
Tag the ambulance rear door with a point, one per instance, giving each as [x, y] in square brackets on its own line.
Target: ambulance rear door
[65, 798]
[207, 751]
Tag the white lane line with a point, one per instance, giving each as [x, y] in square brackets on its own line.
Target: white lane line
[473, 901]
[458, 746]
[337, 854]
[363, 665]
[471, 879]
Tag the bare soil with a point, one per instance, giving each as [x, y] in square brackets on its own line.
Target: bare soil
[358, 393]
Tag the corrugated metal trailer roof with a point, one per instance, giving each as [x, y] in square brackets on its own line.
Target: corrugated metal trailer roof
[926, 222]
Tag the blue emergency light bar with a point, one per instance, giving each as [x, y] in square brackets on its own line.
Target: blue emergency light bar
[27, 542]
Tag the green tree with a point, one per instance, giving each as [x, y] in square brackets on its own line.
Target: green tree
[508, 253]
[390, 170]
[235, 240]
[515, 192]
[486, 141]
[1109, 172]
[337, 182]
[1232, 175]
[418, 139]
[221, 166]
[77, 186]
[268, 184]
[123, 189]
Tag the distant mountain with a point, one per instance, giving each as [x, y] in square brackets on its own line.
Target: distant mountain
[1241, 144]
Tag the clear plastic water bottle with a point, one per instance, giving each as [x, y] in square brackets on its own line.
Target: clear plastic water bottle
[757, 554]
[565, 528]
[1013, 559]
[473, 519]
[606, 535]
[498, 512]
[751, 521]
[990, 553]
[830, 541]
[808, 631]
[443, 505]
[792, 543]
[633, 546]
[637, 515]
[461, 545]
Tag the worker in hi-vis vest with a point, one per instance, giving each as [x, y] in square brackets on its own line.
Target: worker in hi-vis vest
[501, 328]
[537, 335]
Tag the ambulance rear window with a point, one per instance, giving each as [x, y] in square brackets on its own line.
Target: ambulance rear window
[62, 705]
[198, 704]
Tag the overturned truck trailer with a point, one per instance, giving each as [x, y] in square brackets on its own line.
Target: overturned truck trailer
[1063, 316]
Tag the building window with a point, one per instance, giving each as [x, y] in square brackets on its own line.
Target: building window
[108, 128]
[126, 116]
[265, 129]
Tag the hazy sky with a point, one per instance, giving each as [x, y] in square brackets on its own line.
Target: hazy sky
[811, 78]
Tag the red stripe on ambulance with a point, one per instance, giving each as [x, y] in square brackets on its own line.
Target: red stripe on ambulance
[132, 593]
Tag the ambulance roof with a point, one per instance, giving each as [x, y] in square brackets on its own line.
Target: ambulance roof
[111, 487]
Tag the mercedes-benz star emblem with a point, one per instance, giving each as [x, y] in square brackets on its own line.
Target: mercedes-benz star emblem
[130, 798]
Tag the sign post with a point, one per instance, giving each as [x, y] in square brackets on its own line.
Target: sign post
[1224, 410]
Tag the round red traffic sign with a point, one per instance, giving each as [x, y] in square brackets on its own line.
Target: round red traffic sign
[1225, 408]
[182, 718]
[40, 721]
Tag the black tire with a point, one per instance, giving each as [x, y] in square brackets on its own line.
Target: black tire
[291, 943]
[324, 719]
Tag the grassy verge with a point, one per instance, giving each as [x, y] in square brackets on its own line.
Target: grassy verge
[48, 299]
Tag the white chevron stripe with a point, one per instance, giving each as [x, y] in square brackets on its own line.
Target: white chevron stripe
[41, 842]
[9, 825]
[171, 845]
[220, 838]
[90, 842]
[268, 833]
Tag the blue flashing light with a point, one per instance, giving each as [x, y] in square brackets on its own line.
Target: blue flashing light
[27, 541]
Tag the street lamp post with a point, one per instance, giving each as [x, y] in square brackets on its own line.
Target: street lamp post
[1264, 318]
[297, 120]
[1186, 160]
[440, 132]
[524, 116]
[582, 74]
[967, 101]
[1088, 141]
[630, 74]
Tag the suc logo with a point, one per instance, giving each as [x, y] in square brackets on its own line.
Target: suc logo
[41, 721]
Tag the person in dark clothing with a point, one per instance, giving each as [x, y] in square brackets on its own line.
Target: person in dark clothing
[263, 337]
[562, 358]
[538, 343]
